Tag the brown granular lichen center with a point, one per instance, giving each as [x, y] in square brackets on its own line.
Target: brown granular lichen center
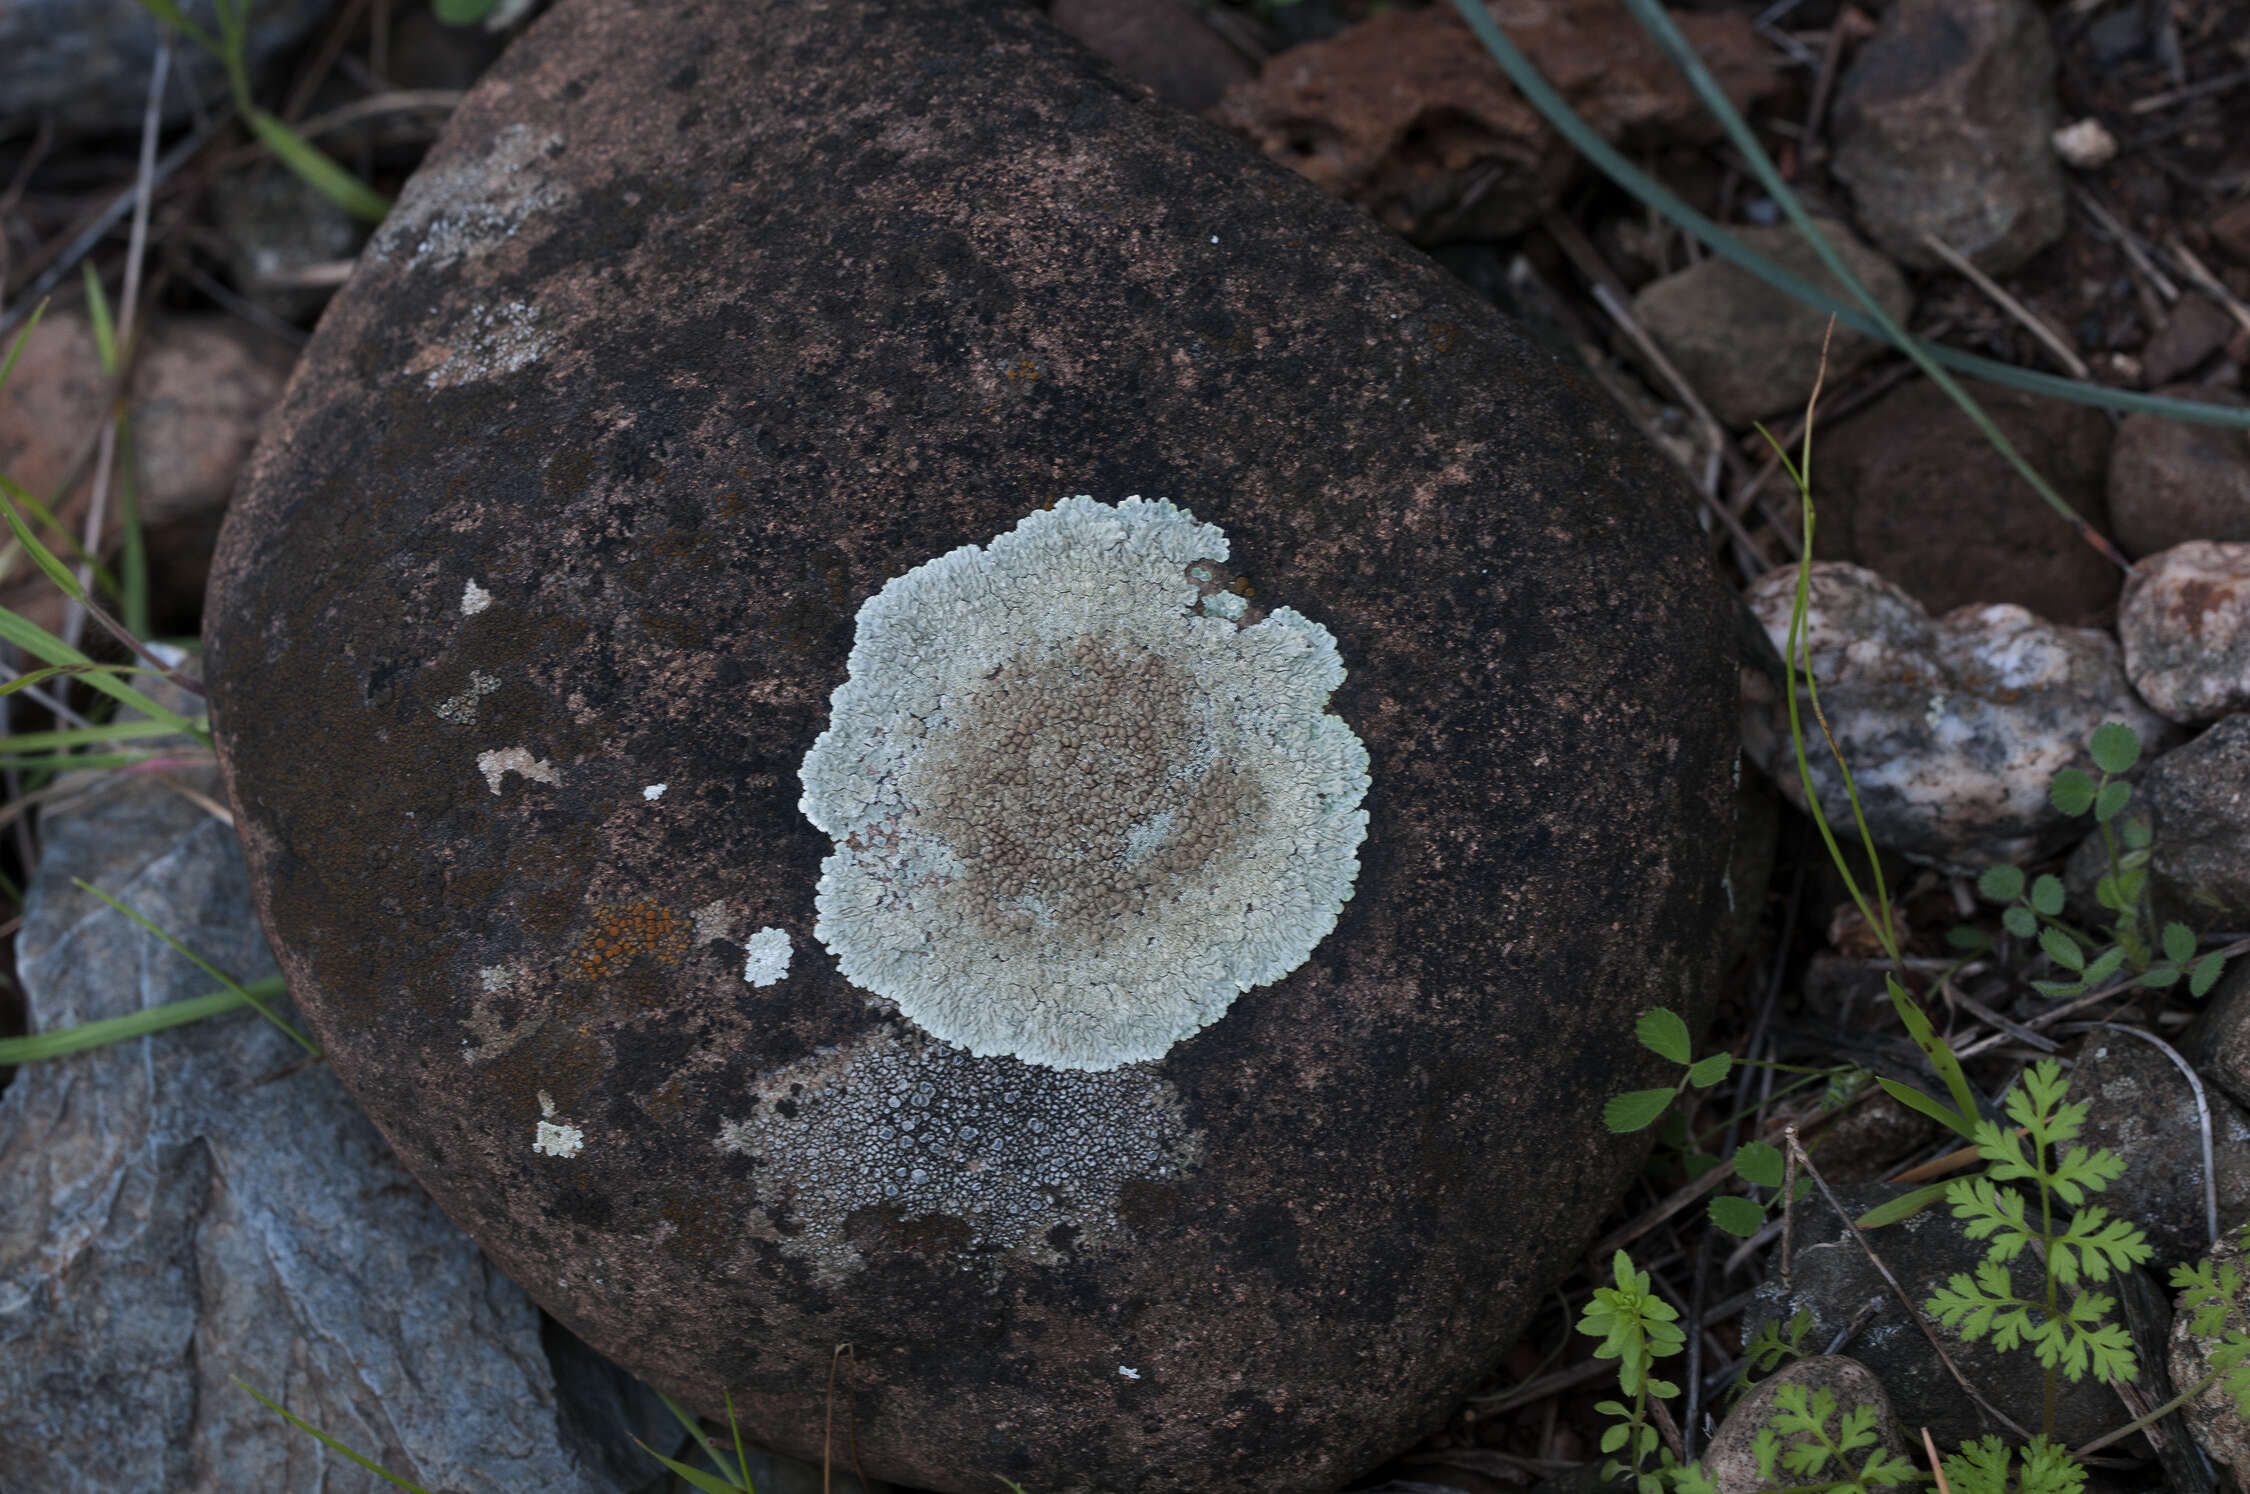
[1079, 792]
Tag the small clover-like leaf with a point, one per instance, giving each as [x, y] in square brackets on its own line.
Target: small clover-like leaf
[1709, 1071]
[2047, 894]
[2111, 801]
[2001, 884]
[1662, 1031]
[2206, 973]
[2137, 832]
[1740, 1217]
[2104, 966]
[2062, 949]
[2115, 747]
[2179, 943]
[2020, 921]
[2160, 976]
[1760, 1162]
[1636, 1109]
[2072, 792]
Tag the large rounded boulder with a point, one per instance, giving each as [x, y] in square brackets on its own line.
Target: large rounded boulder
[882, 695]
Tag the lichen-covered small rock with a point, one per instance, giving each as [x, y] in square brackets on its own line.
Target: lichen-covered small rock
[1749, 350]
[698, 338]
[1732, 1459]
[2185, 624]
[2172, 481]
[1953, 727]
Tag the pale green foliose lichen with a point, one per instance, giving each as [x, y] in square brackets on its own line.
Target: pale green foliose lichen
[1074, 818]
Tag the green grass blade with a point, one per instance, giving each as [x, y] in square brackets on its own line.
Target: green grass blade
[82, 736]
[1675, 46]
[203, 965]
[1905, 1206]
[44, 516]
[325, 176]
[107, 1030]
[695, 1430]
[15, 349]
[75, 762]
[695, 1476]
[105, 325]
[52, 671]
[1724, 244]
[169, 14]
[27, 635]
[303, 1425]
[41, 556]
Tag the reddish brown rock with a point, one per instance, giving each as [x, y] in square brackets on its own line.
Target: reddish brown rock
[1408, 116]
[1910, 489]
[700, 326]
[2185, 625]
[200, 390]
[2171, 481]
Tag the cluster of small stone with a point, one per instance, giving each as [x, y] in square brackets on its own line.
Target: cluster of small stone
[919, 1128]
[1075, 815]
[620, 933]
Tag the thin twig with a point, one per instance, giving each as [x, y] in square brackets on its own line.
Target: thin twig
[2127, 242]
[2204, 89]
[127, 335]
[2048, 337]
[125, 202]
[1994, 1020]
[1913, 1310]
[2210, 284]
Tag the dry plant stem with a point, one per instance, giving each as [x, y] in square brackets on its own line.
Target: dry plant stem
[66, 259]
[1998, 1023]
[2207, 282]
[2048, 337]
[2202, 1120]
[1667, 1428]
[97, 509]
[1914, 1311]
[1789, 1210]
[2128, 243]
[333, 40]
[1937, 1468]
[2204, 89]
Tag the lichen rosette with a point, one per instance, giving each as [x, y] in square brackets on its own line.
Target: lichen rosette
[1078, 807]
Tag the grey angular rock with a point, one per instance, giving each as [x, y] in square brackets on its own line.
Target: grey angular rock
[198, 1204]
[1833, 1281]
[699, 330]
[2141, 1106]
[1953, 727]
[1942, 125]
[2185, 624]
[2197, 798]
[1732, 1460]
[2171, 481]
[1746, 348]
[85, 63]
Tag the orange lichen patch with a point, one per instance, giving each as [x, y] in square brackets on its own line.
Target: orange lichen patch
[623, 932]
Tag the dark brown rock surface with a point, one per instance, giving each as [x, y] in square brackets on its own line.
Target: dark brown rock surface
[701, 324]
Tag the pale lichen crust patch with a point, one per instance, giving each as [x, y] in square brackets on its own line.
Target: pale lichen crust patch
[895, 1137]
[765, 959]
[1074, 816]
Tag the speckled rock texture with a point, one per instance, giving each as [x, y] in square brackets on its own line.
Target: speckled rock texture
[85, 64]
[1953, 727]
[702, 323]
[2197, 798]
[1161, 43]
[2185, 624]
[2142, 1106]
[1732, 1458]
[1943, 125]
[1745, 347]
[2171, 481]
[1911, 488]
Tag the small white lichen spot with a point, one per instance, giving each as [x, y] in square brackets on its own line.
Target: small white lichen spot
[1074, 818]
[1128, 1372]
[766, 957]
[1936, 712]
[498, 765]
[712, 921]
[654, 791]
[462, 709]
[474, 599]
[558, 1141]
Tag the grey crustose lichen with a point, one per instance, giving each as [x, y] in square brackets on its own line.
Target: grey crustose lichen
[1077, 808]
